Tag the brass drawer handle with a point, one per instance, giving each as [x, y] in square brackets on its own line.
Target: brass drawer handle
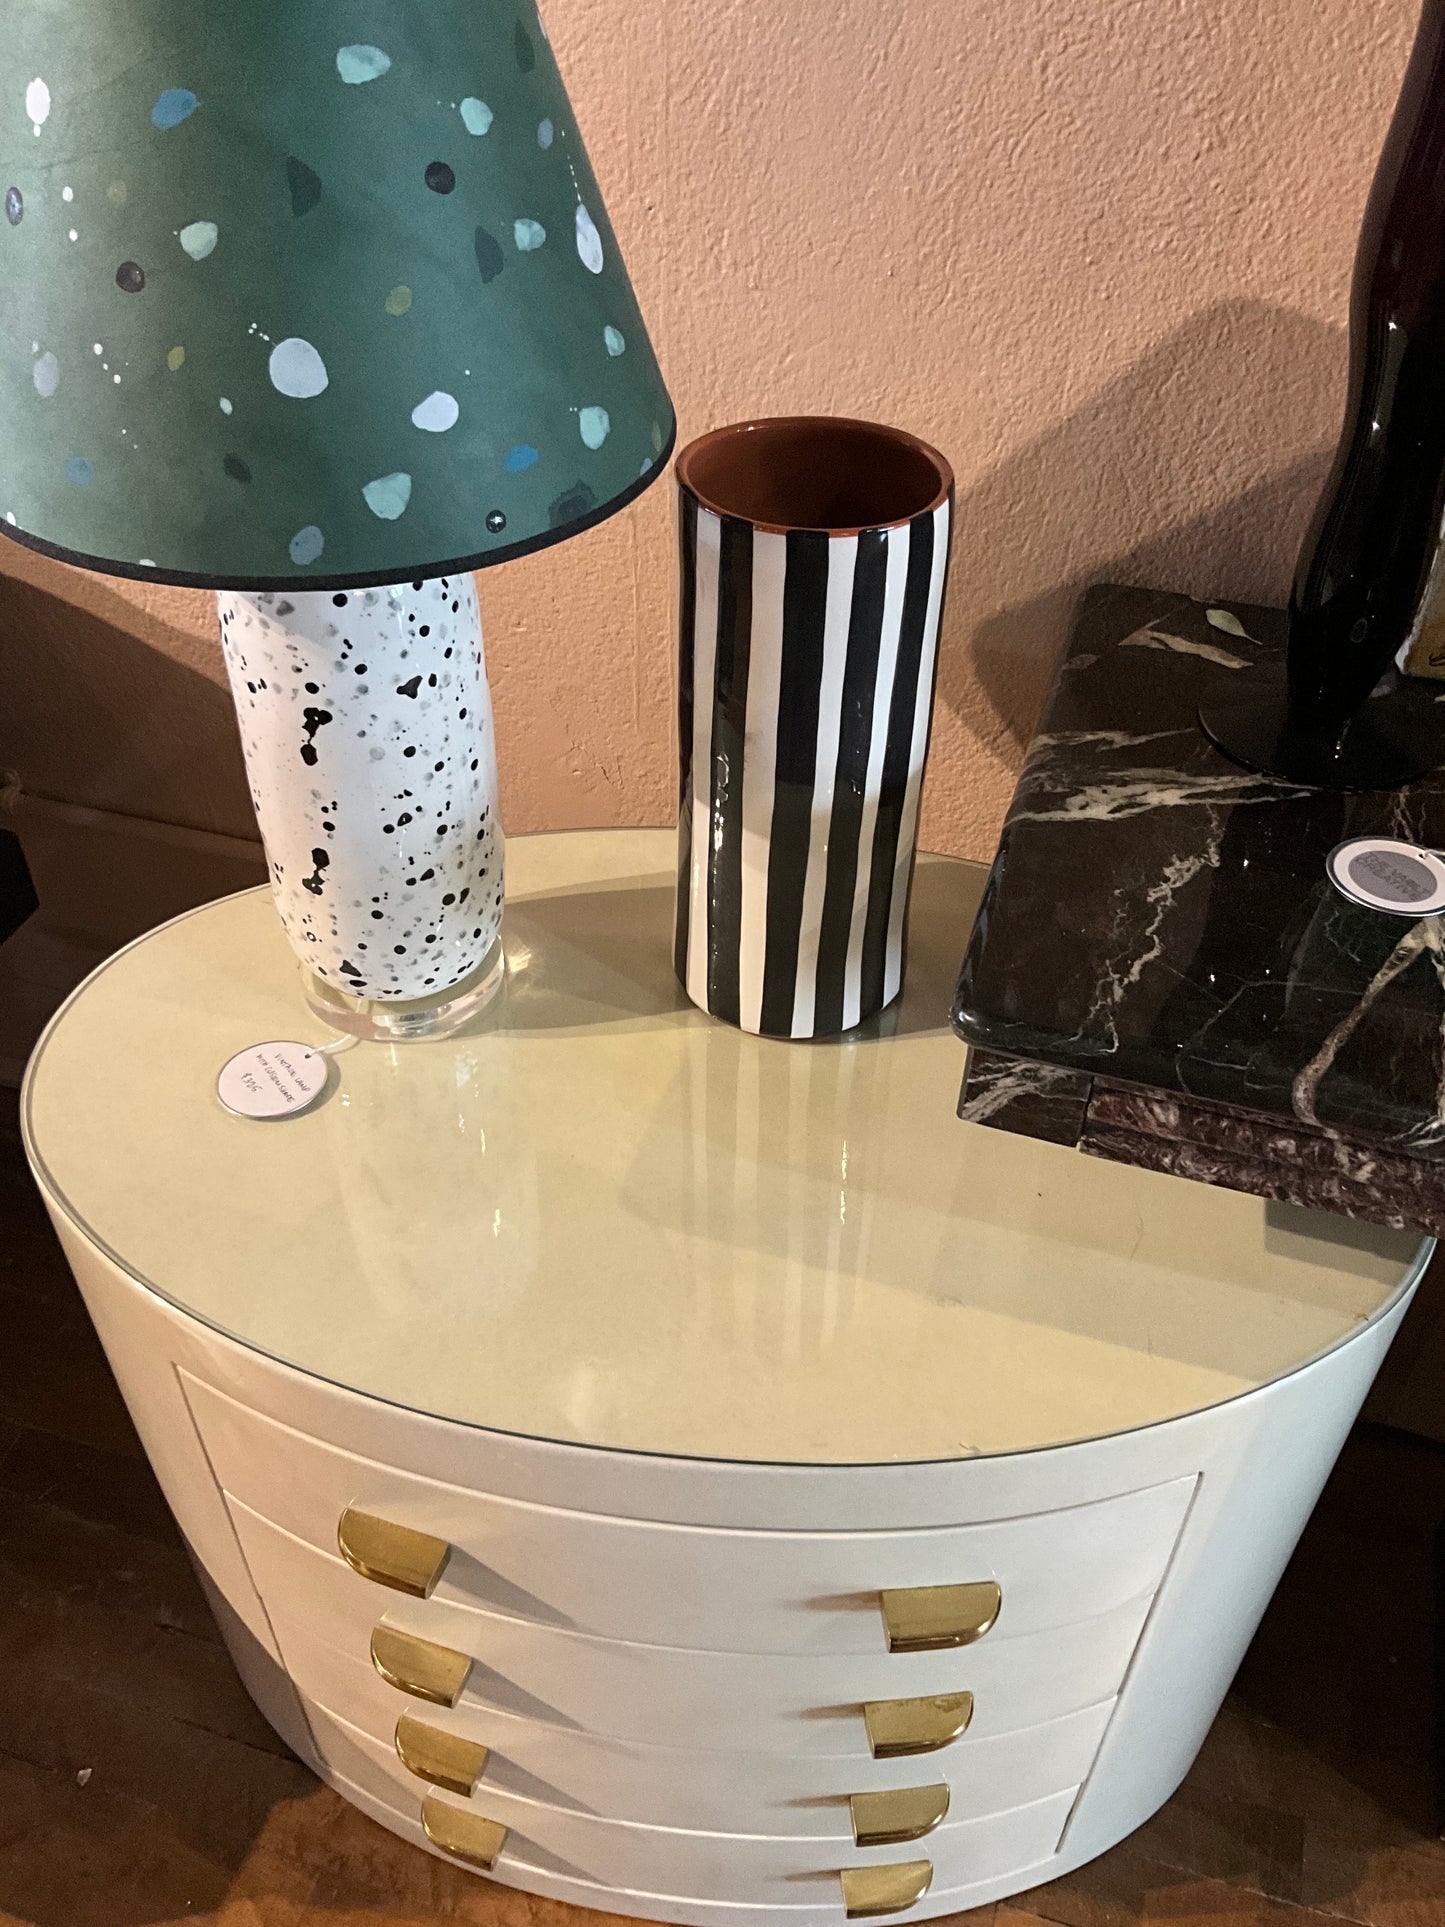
[884, 1890]
[902, 1813]
[898, 1727]
[446, 1759]
[395, 1556]
[924, 1619]
[419, 1667]
[458, 1831]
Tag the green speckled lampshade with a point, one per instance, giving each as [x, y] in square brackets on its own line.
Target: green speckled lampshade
[306, 293]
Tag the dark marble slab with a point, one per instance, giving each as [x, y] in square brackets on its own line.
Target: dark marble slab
[1217, 1144]
[1035, 1100]
[1318, 1191]
[1159, 918]
[1209, 1143]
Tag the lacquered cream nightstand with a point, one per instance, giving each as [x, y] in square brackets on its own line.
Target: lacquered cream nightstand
[681, 1473]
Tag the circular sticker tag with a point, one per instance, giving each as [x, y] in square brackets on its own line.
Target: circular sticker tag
[272, 1080]
[1386, 873]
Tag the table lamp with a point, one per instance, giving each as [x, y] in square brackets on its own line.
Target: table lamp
[319, 306]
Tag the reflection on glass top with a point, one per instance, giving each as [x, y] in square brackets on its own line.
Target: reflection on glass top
[600, 1216]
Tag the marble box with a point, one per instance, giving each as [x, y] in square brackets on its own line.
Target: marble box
[1161, 972]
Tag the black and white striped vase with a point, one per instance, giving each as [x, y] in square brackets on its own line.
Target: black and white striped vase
[814, 555]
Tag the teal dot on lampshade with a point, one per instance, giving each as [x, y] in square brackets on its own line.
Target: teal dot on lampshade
[306, 544]
[78, 469]
[615, 340]
[595, 424]
[437, 413]
[199, 239]
[545, 131]
[589, 241]
[360, 63]
[477, 117]
[519, 458]
[490, 260]
[528, 235]
[304, 184]
[388, 495]
[296, 368]
[173, 105]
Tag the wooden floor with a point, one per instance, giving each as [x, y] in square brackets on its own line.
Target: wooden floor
[139, 1785]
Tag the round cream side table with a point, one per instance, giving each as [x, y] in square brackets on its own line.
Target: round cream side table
[683, 1473]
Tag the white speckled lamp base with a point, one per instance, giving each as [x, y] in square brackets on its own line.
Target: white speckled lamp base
[367, 727]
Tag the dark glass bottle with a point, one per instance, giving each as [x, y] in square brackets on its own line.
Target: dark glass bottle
[1365, 562]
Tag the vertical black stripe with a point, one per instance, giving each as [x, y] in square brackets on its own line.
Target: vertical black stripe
[686, 646]
[805, 613]
[729, 725]
[855, 732]
[896, 753]
[928, 726]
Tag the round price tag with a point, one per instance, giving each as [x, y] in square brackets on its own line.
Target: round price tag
[1386, 873]
[273, 1080]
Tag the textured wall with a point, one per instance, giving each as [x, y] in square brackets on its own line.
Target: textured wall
[1097, 250]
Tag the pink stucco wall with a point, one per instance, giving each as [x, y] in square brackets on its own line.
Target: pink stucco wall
[1098, 250]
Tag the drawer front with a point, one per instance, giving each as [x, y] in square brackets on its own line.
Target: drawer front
[753, 1869]
[714, 1792]
[670, 1696]
[670, 1585]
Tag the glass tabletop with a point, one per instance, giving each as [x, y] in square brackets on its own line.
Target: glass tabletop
[598, 1216]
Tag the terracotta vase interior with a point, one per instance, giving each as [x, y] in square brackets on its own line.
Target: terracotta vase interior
[814, 472]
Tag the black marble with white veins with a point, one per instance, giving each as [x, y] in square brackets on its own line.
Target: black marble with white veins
[1014, 1094]
[1158, 921]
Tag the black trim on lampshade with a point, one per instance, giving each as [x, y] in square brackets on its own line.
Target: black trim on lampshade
[362, 579]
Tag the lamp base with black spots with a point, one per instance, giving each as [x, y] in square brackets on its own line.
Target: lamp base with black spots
[366, 723]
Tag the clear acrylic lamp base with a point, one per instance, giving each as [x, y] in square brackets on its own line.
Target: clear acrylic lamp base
[414, 1020]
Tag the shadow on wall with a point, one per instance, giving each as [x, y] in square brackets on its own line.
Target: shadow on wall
[91, 713]
[132, 802]
[1237, 409]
